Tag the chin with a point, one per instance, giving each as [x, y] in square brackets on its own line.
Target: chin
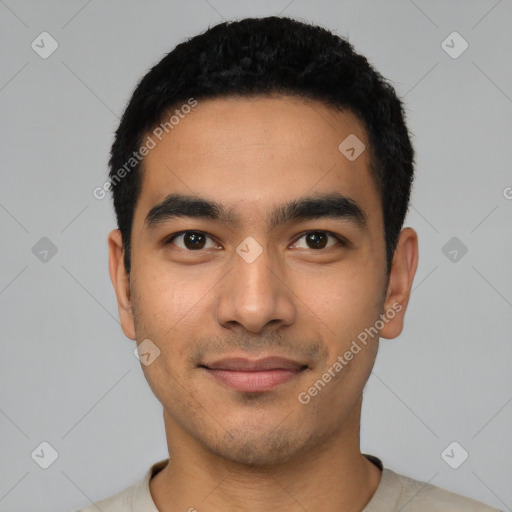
[254, 446]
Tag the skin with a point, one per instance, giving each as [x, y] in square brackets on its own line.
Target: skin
[263, 451]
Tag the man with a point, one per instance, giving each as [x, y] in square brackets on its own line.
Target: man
[261, 175]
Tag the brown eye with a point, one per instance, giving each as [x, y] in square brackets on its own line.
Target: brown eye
[319, 239]
[191, 240]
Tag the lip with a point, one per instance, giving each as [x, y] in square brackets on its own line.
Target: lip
[248, 375]
[242, 364]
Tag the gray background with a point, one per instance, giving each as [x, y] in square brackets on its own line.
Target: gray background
[69, 376]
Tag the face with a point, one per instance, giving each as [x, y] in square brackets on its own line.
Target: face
[263, 274]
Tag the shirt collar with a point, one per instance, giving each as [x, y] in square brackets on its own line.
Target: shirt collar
[385, 498]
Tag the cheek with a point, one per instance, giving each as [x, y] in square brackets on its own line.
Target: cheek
[166, 300]
[350, 304]
[172, 307]
[346, 301]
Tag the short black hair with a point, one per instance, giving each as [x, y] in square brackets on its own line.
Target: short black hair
[265, 57]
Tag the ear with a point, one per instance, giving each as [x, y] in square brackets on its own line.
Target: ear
[121, 281]
[403, 269]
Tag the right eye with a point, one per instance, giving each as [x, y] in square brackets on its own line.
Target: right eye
[191, 240]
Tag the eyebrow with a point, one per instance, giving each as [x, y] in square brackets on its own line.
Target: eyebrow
[332, 206]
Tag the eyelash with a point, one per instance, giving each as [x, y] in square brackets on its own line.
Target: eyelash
[342, 242]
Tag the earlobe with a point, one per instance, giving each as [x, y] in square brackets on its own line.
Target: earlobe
[403, 269]
[121, 282]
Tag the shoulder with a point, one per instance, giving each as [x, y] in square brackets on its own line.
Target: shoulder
[136, 497]
[416, 496]
[116, 503]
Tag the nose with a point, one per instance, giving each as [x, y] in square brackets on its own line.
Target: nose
[254, 294]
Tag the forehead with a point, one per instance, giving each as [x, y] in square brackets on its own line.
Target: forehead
[254, 153]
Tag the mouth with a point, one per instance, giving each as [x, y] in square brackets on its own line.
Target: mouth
[252, 376]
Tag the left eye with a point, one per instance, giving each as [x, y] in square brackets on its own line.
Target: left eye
[318, 239]
[192, 240]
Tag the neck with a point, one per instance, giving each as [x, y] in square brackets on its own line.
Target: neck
[330, 475]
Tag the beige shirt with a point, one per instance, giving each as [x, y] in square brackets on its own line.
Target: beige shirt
[394, 493]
